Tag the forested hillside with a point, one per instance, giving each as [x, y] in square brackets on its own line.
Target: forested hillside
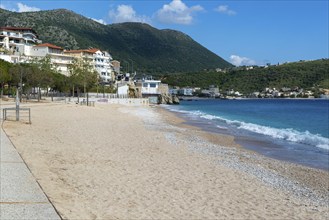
[303, 74]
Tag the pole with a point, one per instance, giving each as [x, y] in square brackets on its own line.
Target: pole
[17, 105]
[127, 67]
[132, 65]
[117, 90]
[103, 89]
[87, 99]
[21, 86]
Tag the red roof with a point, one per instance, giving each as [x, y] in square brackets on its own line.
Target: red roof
[18, 29]
[92, 50]
[49, 45]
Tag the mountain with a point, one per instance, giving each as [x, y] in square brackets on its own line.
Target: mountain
[137, 45]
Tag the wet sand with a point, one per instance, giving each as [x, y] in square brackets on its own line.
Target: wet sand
[121, 162]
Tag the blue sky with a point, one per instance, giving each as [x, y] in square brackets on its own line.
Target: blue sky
[241, 32]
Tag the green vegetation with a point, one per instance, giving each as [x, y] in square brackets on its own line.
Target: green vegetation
[82, 75]
[39, 74]
[298, 74]
[146, 49]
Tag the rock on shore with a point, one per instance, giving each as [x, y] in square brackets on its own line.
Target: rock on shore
[168, 99]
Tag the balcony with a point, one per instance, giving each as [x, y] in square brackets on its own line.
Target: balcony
[14, 35]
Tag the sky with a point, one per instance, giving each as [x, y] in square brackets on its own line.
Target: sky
[240, 31]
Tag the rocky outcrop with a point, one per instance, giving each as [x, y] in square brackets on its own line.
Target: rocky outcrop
[168, 99]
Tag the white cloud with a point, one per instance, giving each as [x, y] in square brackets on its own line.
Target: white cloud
[241, 61]
[101, 21]
[20, 8]
[126, 13]
[177, 12]
[25, 8]
[224, 9]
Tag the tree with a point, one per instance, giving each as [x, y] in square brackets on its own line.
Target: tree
[82, 74]
[39, 73]
[61, 82]
[47, 72]
[4, 74]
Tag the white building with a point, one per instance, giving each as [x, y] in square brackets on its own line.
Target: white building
[16, 42]
[13, 40]
[122, 90]
[58, 59]
[22, 44]
[150, 87]
[101, 61]
[185, 91]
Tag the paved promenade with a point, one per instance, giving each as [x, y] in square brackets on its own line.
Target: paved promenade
[20, 195]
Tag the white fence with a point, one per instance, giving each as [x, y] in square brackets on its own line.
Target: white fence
[101, 100]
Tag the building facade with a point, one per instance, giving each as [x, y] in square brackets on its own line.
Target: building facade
[100, 61]
[13, 40]
[22, 44]
[58, 59]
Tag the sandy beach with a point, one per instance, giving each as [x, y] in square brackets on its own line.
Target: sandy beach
[141, 162]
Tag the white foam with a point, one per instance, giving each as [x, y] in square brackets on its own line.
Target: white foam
[276, 133]
[288, 134]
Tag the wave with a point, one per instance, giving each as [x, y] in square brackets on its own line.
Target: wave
[287, 134]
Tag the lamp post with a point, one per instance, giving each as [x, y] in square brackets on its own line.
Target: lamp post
[103, 83]
[127, 65]
[21, 85]
[19, 93]
[132, 65]
[17, 104]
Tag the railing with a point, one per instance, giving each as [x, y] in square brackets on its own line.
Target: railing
[16, 113]
[87, 103]
[98, 98]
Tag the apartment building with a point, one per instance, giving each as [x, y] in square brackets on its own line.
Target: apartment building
[58, 59]
[22, 44]
[15, 42]
[100, 60]
[13, 39]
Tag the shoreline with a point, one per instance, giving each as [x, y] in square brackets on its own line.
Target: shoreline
[261, 138]
[196, 98]
[305, 175]
[143, 162]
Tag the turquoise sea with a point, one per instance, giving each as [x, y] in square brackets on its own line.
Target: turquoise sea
[295, 130]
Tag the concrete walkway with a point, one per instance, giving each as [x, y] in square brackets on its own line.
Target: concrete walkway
[20, 195]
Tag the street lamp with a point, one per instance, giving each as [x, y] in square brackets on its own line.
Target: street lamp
[127, 65]
[132, 65]
[19, 97]
[21, 84]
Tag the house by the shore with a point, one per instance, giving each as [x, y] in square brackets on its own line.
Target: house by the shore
[151, 89]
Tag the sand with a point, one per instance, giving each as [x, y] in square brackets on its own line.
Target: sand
[121, 162]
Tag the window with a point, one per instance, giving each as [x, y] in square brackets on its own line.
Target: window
[153, 85]
[145, 85]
